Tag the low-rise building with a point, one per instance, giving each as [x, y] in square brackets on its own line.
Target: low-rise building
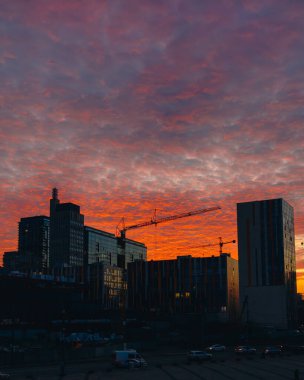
[206, 285]
[104, 247]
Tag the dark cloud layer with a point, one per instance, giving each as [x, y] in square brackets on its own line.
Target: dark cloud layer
[131, 106]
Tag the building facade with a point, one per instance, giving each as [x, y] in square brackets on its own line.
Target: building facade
[66, 233]
[33, 243]
[185, 285]
[106, 285]
[129, 252]
[62, 247]
[267, 262]
[11, 261]
[101, 246]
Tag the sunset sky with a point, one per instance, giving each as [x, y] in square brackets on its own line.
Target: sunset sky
[127, 106]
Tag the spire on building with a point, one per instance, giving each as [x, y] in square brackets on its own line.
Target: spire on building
[55, 193]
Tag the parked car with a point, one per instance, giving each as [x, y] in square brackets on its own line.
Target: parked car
[216, 348]
[241, 350]
[198, 356]
[272, 351]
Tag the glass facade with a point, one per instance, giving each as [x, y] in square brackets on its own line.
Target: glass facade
[130, 252]
[106, 285]
[100, 246]
[114, 287]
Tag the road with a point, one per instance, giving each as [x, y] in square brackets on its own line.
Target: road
[174, 366]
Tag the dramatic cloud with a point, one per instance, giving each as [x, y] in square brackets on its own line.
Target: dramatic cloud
[128, 106]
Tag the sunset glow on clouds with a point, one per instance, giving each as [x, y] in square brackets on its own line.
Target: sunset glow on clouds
[128, 106]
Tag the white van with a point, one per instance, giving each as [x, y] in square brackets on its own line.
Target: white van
[128, 359]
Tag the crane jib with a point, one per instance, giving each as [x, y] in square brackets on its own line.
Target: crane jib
[169, 218]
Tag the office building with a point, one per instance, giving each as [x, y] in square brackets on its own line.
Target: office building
[267, 263]
[206, 285]
[33, 243]
[104, 247]
[129, 252]
[66, 233]
[99, 247]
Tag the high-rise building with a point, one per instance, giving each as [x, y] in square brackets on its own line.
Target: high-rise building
[66, 233]
[33, 243]
[267, 263]
[207, 285]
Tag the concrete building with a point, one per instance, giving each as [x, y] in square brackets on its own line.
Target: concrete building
[66, 233]
[33, 243]
[267, 263]
[206, 285]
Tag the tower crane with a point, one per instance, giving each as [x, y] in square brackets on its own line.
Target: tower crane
[121, 232]
[155, 221]
[220, 244]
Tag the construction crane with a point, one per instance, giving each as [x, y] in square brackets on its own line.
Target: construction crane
[155, 221]
[220, 244]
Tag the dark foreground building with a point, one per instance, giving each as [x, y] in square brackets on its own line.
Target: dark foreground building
[11, 261]
[186, 285]
[37, 299]
[267, 263]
